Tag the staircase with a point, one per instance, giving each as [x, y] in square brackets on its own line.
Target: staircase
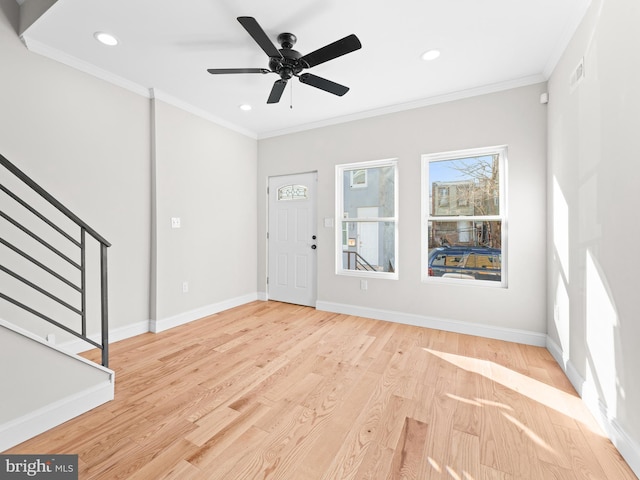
[53, 286]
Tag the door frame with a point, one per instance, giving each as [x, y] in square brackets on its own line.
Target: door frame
[268, 225]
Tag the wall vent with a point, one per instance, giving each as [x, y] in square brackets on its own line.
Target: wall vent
[577, 75]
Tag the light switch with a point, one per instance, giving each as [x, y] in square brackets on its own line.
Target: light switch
[328, 222]
[175, 222]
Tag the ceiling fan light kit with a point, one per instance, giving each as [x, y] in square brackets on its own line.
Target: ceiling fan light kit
[289, 63]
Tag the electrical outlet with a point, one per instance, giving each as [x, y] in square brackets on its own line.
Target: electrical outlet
[185, 287]
[175, 222]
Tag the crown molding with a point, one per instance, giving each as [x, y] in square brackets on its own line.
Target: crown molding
[74, 62]
[157, 94]
[425, 102]
[566, 36]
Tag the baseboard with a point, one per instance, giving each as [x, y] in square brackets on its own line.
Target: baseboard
[115, 335]
[156, 326]
[76, 346]
[628, 448]
[28, 426]
[468, 328]
[262, 296]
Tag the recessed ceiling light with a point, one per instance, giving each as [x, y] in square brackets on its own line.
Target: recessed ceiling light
[245, 107]
[431, 55]
[106, 38]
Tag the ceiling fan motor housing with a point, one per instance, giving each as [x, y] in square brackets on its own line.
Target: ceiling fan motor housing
[288, 65]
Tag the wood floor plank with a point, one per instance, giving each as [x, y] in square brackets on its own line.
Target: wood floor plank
[213, 449]
[278, 391]
[409, 458]
[608, 457]
[365, 427]
[583, 463]
[465, 455]
[377, 462]
[339, 424]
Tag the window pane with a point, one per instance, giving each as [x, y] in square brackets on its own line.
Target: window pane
[465, 186]
[465, 233]
[466, 250]
[370, 246]
[377, 190]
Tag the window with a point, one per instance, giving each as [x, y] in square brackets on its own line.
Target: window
[292, 192]
[464, 216]
[358, 178]
[366, 208]
[443, 196]
[463, 195]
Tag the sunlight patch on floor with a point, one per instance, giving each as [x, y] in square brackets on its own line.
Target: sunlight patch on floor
[530, 433]
[551, 397]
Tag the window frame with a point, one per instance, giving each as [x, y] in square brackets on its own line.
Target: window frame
[502, 217]
[340, 218]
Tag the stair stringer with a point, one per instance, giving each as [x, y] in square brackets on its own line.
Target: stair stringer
[44, 386]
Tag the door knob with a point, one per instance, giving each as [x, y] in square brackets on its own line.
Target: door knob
[313, 237]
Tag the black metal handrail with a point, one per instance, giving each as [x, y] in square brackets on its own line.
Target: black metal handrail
[79, 266]
[355, 261]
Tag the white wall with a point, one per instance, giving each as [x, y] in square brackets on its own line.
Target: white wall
[593, 178]
[513, 117]
[88, 143]
[206, 176]
[49, 388]
[126, 164]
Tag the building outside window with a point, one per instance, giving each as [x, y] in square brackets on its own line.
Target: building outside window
[464, 212]
[366, 208]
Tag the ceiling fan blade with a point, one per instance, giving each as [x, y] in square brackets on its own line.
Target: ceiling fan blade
[336, 49]
[216, 71]
[276, 91]
[323, 84]
[257, 33]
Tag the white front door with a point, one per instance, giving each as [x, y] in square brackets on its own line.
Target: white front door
[368, 235]
[292, 239]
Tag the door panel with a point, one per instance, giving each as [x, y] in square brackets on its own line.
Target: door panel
[368, 235]
[292, 224]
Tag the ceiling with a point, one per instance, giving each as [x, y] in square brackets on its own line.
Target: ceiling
[166, 47]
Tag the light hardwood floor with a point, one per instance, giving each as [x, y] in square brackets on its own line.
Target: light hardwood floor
[278, 391]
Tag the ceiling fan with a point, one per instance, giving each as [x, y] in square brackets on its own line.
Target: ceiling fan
[289, 63]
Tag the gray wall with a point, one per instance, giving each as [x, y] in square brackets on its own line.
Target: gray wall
[593, 214]
[513, 117]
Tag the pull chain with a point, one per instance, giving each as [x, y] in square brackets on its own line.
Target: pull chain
[291, 96]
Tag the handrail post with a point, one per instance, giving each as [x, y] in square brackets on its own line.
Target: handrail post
[83, 281]
[104, 305]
